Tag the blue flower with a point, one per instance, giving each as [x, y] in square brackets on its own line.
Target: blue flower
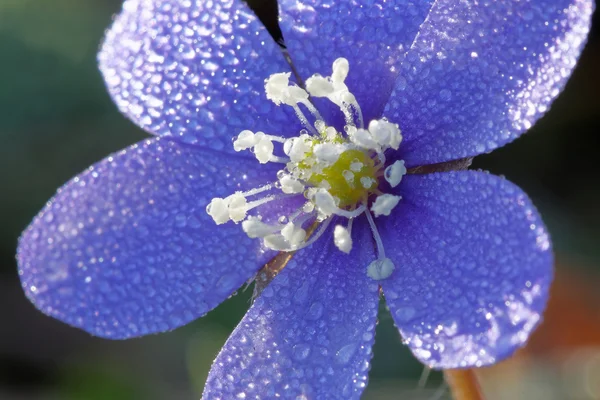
[129, 247]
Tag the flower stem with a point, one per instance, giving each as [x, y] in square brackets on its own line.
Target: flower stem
[463, 384]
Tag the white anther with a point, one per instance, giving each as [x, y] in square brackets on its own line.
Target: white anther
[276, 242]
[380, 269]
[332, 87]
[367, 182]
[295, 235]
[340, 69]
[279, 90]
[290, 185]
[393, 174]
[246, 139]
[296, 148]
[386, 134]
[330, 133]
[238, 207]
[328, 152]
[356, 166]
[319, 86]
[218, 209]
[384, 204]
[263, 150]
[362, 138]
[255, 228]
[342, 239]
[325, 202]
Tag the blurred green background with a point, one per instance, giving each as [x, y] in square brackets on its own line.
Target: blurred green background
[56, 119]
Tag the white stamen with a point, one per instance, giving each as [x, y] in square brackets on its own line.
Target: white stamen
[328, 152]
[245, 140]
[319, 86]
[218, 210]
[291, 185]
[384, 204]
[316, 236]
[383, 267]
[279, 90]
[380, 269]
[257, 190]
[362, 138]
[335, 90]
[296, 148]
[386, 134]
[359, 114]
[276, 242]
[376, 237]
[342, 239]
[394, 173]
[295, 235]
[255, 228]
[325, 202]
[263, 150]
[340, 69]
[330, 133]
[351, 214]
[238, 206]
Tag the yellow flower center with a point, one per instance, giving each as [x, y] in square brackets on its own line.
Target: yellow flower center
[351, 178]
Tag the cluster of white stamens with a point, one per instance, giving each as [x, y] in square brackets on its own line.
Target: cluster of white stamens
[337, 173]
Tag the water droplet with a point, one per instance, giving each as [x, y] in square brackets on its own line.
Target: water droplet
[301, 351]
[445, 94]
[344, 355]
[405, 314]
[315, 311]
[302, 293]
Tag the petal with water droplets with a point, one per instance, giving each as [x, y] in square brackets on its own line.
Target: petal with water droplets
[473, 267]
[479, 74]
[194, 70]
[309, 333]
[127, 248]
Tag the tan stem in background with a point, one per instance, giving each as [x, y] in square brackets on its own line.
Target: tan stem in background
[463, 384]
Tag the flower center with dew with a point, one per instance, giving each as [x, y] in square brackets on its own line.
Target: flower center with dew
[337, 173]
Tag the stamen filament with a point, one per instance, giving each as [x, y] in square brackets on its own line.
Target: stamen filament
[316, 236]
[376, 237]
[359, 115]
[304, 120]
[257, 190]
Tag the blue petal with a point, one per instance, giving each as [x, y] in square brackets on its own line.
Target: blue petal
[372, 34]
[473, 267]
[309, 333]
[127, 248]
[479, 75]
[193, 70]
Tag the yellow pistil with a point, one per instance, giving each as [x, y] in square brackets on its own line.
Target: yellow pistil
[349, 191]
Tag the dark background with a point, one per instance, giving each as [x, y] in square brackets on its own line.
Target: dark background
[56, 119]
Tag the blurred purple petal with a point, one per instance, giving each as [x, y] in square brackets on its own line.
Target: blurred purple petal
[371, 34]
[309, 333]
[127, 248]
[479, 75]
[473, 267]
[193, 70]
